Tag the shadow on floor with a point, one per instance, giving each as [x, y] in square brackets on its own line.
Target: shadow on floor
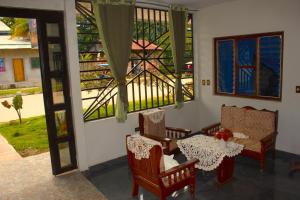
[115, 182]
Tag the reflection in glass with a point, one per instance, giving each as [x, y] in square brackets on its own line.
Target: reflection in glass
[57, 91]
[61, 123]
[55, 57]
[52, 30]
[270, 50]
[64, 154]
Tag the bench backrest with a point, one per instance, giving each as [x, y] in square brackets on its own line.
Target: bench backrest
[248, 120]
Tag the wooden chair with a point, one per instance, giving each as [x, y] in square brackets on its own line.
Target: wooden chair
[151, 175]
[168, 136]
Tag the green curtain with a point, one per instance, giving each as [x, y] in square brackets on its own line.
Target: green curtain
[114, 20]
[178, 19]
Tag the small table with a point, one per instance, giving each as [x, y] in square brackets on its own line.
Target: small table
[212, 154]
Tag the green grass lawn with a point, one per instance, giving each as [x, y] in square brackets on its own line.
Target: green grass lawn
[28, 138]
[157, 102]
[24, 91]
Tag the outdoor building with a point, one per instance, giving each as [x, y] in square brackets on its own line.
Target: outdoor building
[19, 61]
[138, 51]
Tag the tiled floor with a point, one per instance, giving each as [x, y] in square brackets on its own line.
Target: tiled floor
[114, 181]
[31, 179]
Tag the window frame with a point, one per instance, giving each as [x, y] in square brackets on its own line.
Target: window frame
[235, 38]
[31, 62]
[162, 100]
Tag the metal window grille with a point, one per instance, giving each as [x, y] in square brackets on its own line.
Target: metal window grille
[150, 75]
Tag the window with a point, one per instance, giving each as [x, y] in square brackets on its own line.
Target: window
[150, 74]
[2, 65]
[249, 65]
[35, 62]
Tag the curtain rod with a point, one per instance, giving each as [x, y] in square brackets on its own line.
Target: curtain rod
[159, 5]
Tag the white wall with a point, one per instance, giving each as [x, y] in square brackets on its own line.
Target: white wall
[246, 17]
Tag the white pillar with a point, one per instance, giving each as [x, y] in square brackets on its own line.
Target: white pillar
[74, 76]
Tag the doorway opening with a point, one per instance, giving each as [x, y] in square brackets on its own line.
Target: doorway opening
[36, 112]
[23, 123]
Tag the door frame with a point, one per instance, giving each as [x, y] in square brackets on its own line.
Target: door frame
[50, 16]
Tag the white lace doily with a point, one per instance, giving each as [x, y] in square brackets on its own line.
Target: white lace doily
[155, 115]
[140, 146]
[209, 150]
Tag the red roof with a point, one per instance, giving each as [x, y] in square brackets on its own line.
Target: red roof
[139, 46]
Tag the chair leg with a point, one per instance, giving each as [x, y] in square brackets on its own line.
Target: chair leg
[274, 153]
[135, 189]
[162, 197]
[192, 190]
[262, 164]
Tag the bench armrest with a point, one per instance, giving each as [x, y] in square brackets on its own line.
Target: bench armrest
[268, 142]
[210, 130]
[269, 138]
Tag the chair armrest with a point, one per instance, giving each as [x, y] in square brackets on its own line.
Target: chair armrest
[177, 133]
[210, 130]
[173, 170]
[177, 174]
[160, 139]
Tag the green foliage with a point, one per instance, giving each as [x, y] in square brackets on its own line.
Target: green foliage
[20, 28]
[86, 41]
[16, 104]
[9, 21]
[93, 74]
[28, 138]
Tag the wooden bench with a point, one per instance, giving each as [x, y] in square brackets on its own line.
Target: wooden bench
[259, 125]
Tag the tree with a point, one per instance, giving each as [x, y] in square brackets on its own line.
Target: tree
[19, 26]
[17, 104]
[9, 21]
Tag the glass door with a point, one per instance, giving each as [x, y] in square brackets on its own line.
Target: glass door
[57, 93]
